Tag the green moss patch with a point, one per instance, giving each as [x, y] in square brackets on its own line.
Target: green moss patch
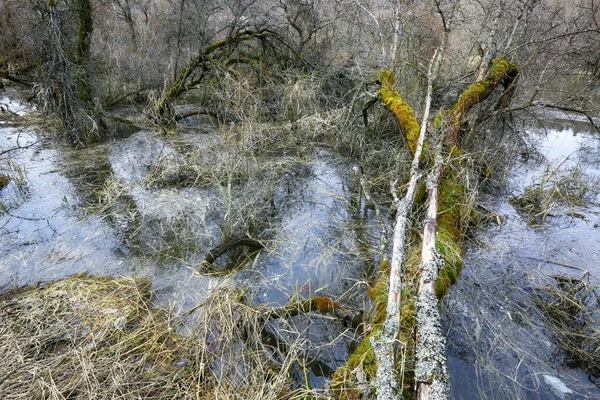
[403, 112]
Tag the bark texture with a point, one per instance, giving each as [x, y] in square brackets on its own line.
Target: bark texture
[82, 54]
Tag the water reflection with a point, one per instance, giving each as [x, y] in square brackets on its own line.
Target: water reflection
[497, 342]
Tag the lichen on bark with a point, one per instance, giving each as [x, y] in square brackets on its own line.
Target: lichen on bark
[452, 195]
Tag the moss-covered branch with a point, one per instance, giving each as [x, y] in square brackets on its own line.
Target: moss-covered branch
[218, 52]
[322, 305]
[450, 200]
[403, 112]
[500, 71]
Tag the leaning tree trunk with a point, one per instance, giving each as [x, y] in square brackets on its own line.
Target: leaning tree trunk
[194, 71]
[441, 254]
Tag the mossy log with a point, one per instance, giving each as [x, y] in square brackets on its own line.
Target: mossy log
[452, 193]
[500, 71]
[322, 305]
[403, 112]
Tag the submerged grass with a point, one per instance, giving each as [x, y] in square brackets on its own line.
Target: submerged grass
[570, 187]
[89, 337]
[572, 311]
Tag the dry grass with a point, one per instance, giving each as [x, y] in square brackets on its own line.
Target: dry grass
[240, 173]
[556, 187]
[10, 171]
[99, 338]
[87, 338]
[573, 316]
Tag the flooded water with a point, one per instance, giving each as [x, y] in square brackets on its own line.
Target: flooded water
[97, 210]
[100, 210]
[498, 345]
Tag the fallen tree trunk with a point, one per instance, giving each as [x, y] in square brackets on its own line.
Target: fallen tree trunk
[431, 373]
[383, 345]
[442, 251]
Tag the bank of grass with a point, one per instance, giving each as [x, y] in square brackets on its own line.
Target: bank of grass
[87, 337]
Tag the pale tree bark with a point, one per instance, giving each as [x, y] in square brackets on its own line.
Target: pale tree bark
[488, 51]
[431, 373]
[397, 34]
[383, 346]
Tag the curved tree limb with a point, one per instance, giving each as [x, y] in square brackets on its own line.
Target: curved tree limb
[205, 60]
[502, 72]
[223, 248]
[7, 76]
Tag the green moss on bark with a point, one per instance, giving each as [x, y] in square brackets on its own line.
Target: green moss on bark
[452, 193]
[403, 112]
[501, 71]
[343, 384]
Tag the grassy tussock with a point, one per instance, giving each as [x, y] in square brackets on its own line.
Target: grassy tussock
[10, 171]
[557, 187]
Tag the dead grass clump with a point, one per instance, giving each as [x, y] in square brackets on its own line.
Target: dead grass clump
[557, 187]
[573, 316]
[10, 171]
[87, 338]
[235, 361]
[99, 338]
[300, 99]
[323, 127]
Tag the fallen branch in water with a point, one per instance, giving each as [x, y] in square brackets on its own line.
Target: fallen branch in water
[223, 248]
[19, 147]
[322, 305]
[556, 263]
[384, 346]
[383, 245]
